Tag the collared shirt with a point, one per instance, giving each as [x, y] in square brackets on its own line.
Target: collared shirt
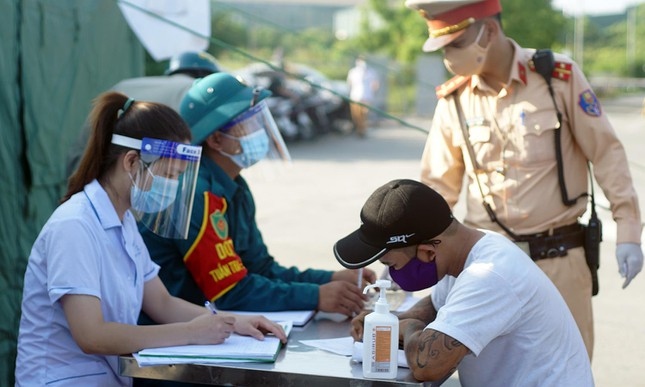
[268, 286]
[512, 133]
[83, 249]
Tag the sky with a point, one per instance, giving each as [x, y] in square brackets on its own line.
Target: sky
[594, 7]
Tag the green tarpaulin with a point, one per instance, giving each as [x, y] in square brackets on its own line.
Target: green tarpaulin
[55, 57]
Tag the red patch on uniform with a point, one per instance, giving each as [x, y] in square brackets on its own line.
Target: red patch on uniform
[562, 71]
[212, 260]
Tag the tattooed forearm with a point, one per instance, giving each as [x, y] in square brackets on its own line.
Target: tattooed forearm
[432, 354]
[425, 350]
[451, 343]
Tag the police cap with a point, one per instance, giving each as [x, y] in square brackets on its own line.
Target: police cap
[448, 19]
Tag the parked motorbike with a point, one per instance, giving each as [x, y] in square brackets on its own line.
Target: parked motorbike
[281, 109]
[292, 111]
[304, 107]
[326, 108]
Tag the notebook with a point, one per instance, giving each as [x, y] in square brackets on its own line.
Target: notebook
[236, 348]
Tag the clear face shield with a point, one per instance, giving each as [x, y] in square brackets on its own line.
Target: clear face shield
[254, 136]
[163, 187]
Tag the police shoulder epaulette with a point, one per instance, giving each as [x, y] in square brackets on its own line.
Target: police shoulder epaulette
[450, 86]
[561, 71]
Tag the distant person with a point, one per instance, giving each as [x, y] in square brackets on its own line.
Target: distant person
[492, 314]
[89, 273]
[225, 260]
[363, 84]
[278, 57]
[522, 129]
[168, 89]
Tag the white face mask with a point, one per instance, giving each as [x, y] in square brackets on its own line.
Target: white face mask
[466, 61]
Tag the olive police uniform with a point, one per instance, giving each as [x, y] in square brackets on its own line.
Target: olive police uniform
[512, 136]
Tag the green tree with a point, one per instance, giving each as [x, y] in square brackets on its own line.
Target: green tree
[605, 44]
[225, 28]
[402, 35]
[532, 23]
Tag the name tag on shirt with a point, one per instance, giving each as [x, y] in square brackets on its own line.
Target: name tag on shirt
[478, 130]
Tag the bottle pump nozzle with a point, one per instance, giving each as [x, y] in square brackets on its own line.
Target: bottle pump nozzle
[381, 305]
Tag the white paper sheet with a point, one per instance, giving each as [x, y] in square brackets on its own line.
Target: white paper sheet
[346, 346]
[407, 303]
[339, 346]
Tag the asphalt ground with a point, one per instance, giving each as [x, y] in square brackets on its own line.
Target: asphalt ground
[302, 210]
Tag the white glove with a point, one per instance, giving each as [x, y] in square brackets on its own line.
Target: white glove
[630, 261]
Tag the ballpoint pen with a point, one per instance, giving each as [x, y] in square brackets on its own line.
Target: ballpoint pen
[210, 307]
[360, 278]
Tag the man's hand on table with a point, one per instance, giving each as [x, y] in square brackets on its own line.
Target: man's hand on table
[341, 297]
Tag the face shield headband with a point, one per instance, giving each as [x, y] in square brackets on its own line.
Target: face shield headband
[163, 187]
[258, 137]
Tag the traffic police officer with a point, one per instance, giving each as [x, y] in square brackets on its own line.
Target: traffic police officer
[495, 121]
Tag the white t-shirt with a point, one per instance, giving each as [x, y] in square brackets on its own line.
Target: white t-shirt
[507, 312]
[82, 249]
[362, 82]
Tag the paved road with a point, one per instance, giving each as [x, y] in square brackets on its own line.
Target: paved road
[302, 211]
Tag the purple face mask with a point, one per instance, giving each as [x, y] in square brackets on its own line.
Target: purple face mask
[415, 275]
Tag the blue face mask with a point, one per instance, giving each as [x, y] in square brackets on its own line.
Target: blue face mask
[255, 147]
[161, 195]
[415, 275]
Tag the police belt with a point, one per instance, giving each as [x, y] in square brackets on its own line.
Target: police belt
[552, 244]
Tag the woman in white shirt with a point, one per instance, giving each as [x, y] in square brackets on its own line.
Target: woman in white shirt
[89, 273]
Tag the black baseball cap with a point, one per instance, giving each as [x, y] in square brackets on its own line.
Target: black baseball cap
[398, 214]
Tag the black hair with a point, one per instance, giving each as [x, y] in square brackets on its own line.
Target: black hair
[115, 113]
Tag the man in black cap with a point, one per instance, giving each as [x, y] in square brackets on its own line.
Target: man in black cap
[493, 314]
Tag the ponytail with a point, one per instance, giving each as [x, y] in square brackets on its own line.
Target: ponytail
[100, 155]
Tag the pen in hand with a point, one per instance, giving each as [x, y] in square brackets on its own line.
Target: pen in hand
[360, 279]
[210, 307]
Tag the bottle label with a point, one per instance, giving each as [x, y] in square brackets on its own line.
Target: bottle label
[381, 341]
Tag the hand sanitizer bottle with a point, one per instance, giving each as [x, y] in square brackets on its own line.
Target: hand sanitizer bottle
[380, 338]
